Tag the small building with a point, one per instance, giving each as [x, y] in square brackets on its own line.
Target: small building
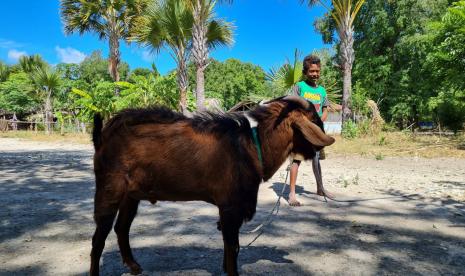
[333, 124]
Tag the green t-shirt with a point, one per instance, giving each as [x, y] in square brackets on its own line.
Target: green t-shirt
[315, 95]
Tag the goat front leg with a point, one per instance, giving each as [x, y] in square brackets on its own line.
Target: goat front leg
[230, 224]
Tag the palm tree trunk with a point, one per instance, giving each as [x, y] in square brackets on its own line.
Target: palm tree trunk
[48, 112]
[200, 54]
[114, 59]
[183, 83]
[347, 56]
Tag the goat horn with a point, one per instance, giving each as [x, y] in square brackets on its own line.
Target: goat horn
[263, 103]
[299, 100]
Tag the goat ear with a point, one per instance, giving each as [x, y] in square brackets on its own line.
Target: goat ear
[313, 133]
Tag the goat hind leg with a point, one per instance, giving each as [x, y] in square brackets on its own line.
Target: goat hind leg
[104, 223]
[126, 215]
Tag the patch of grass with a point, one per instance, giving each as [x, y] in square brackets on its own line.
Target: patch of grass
[78, 138]
[382, 140]
[346, 182]
[379, 156]
[400, 144]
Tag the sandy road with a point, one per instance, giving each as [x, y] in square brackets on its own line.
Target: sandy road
[395, 216]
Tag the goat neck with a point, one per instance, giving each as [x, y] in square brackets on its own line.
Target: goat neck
[276, 142]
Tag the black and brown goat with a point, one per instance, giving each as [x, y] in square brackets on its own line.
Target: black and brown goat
[157, 154]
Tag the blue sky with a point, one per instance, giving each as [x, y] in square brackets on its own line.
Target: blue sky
[267, 32]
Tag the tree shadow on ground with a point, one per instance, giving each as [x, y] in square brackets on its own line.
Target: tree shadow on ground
[37, 187]
[159, 259]
[414, 247]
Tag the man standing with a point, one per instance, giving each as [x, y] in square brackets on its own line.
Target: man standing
[316, 94]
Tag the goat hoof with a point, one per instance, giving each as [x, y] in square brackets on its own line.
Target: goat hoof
[135, 268]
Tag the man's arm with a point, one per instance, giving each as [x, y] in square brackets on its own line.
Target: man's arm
[325, 109]
[325, 113]
[295, 90]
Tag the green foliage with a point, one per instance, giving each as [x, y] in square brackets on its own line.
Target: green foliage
[330, 74]
[100, 99]
[382, 140]
[233, 81]
[17, 95]
[142, 72]
[350, 130]
[46, 80]
[449, 107]
[359, 101]
[379, 156]
[287, 75]
[396, 57]
[94, 68]
[4, 71]
[30, 63]
[101, 17]
[69, 71]
[148, 91]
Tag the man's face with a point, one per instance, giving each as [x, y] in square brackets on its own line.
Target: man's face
[313, 73]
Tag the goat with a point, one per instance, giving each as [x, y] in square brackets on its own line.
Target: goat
[157, 154]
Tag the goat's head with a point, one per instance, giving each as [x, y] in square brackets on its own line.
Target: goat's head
[303, 121]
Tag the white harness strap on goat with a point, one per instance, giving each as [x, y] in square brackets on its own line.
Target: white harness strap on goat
[254, 127]
[253, 123]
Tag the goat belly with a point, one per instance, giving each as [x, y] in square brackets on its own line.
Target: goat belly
[166, 181]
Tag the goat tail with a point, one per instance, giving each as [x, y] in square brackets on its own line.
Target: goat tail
[97, 131]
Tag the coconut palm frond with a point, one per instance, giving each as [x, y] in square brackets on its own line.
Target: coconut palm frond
[220, 33]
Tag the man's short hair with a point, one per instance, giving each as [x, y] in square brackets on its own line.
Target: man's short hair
[308, 61]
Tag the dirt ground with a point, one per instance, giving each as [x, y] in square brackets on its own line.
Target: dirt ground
[398, 215]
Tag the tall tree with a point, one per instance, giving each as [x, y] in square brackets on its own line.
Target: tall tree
[17, 95]
[232, 81]
[169, 24]
[207, 33]
[109, 19]
[48, 81]
[394, 45]
[343, 12]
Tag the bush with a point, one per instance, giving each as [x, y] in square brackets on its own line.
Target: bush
[350, 130]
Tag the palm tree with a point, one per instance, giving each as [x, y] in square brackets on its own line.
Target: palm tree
[30, 63]
[47, 80]
[4, 71]
[169, 24]
[109, 19]
[285, 76]
[343, 12]
[204, 29]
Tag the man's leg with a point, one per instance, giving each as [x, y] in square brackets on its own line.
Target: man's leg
[320, 190]
[294, 170]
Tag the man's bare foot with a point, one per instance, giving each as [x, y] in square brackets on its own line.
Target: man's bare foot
[325, 194]
[293, 201]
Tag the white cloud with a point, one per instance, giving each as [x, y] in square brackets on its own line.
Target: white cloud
[14, 54]
[8, 44]
[69, 55]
